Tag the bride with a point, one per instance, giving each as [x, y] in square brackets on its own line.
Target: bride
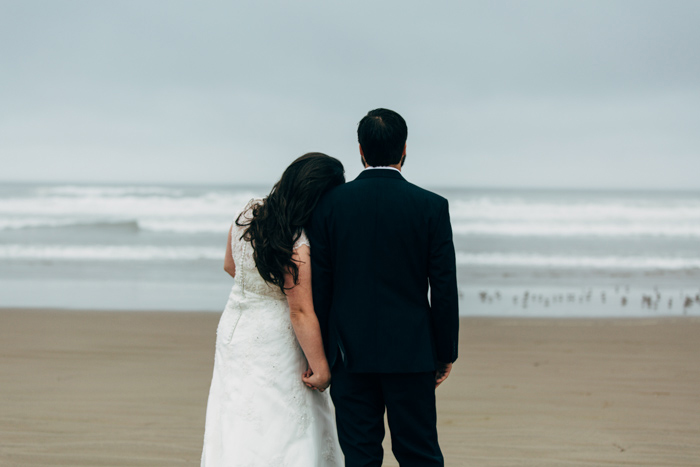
[267, 405]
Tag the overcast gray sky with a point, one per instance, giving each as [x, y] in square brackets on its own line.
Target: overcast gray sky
[495, 93]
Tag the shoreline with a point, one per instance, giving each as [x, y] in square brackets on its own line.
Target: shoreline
[86, 388]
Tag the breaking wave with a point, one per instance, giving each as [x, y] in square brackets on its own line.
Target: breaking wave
[589, 262]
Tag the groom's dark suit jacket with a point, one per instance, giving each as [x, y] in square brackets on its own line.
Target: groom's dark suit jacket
[378, 244]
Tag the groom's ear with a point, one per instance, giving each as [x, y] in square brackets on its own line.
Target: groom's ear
[362, 157]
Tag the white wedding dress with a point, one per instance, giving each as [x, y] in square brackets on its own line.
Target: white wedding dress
[259, 411]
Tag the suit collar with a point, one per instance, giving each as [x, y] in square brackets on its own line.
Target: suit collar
[380, 173]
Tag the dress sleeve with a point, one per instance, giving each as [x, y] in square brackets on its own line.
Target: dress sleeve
[246, 214]
[302, 240]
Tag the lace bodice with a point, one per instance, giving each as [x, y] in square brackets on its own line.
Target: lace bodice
[247, 276]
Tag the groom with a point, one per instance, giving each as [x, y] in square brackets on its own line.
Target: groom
[379, 244]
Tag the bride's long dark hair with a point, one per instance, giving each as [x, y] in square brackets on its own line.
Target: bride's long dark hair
[277, 222]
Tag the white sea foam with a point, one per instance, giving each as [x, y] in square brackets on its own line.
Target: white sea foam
[555, 217]
[133, 207]
[108, 252]
[488, 208]
[184, 253]
[82, 190]
[33, 222]
[183, 226]
[574, 229]
[98, 202]
[185, 211]
[148, 208]
[39, 222]
[588, 262]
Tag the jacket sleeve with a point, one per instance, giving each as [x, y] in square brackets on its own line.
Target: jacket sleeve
[442, 274]
[321, 270]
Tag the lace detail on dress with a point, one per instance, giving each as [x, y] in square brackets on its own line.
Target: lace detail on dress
[302, 240]
[247, 275]
[330, 441]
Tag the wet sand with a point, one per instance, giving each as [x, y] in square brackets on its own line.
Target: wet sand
[81, 388]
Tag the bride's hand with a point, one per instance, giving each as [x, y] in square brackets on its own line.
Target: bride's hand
[319, 381]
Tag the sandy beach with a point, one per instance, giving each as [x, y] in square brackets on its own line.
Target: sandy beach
[81, 388]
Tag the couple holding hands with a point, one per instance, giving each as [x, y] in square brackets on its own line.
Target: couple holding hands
[348, 285]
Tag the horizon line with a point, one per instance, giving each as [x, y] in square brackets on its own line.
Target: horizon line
[447, 186]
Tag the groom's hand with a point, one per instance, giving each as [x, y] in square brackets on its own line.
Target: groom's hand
[442, 373]
[318, 381]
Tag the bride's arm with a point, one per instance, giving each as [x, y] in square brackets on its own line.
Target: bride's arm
[229, 265]
[305, 322]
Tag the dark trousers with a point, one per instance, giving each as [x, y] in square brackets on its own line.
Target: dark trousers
[409, 398]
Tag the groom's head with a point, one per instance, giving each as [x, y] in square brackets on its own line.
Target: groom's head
[382, 136]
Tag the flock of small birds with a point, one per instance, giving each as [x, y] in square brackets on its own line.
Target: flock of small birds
[650, 301]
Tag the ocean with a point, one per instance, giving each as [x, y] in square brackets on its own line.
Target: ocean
[539, 253]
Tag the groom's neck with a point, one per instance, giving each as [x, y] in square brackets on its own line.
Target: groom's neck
[396, 166]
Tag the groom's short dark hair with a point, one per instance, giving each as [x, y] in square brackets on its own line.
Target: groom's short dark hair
[382, 134]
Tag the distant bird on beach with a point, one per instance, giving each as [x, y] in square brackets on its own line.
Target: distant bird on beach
[687, 304]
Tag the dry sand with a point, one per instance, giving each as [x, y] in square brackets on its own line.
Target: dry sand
[130, 389]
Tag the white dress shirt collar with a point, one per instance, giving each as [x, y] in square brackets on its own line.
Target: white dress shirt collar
[372, 168]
